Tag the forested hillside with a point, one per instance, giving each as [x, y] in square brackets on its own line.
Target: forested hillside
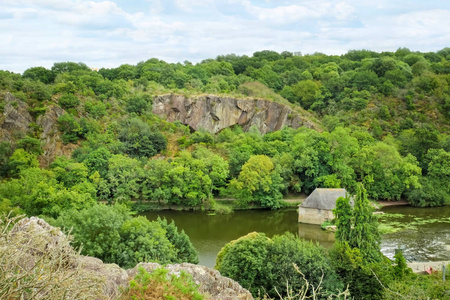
[90, 135]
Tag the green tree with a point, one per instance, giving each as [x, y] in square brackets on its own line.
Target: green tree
[123, 179]
[95, 109]
[31, 145]
[5, 152]
[185, 251]
[21, 160]
[343, 219]
[259, 182]
[39, 73]
[96, 230]
[97, 161]
[62, 67]
[141, 241]
[434, 189]
[386, 175]
[307, 92]
[215, 166]
[313, 158]
[37, 192]
[357, 256]
[358, 226]
[139, 139]
[364, 234]
[189, 181]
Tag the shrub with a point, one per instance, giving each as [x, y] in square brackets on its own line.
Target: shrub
[70, 128]
[68, 101]
[265, 265]
[160, 285]
[138, 104]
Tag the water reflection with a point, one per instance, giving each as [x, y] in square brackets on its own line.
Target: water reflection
[312, 232]
[210, 233]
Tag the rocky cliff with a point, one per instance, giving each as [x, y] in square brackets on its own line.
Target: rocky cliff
[42, 255]
[16, 122]
[16, 119]
[214, 113]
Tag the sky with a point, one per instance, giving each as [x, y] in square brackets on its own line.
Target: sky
[111, 33]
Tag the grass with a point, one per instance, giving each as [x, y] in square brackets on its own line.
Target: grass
[38, 263]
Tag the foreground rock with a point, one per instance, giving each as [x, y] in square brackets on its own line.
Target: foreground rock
[213, 113]
[32, 245]
[210, 282]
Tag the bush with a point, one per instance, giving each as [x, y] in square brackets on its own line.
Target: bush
[68, 101]
[160, 285]
[139, 139]
[138, 104]
[265, 265]
[95, 109]
[70, 128]
[142, 240]
[31, 145]
[111, 234]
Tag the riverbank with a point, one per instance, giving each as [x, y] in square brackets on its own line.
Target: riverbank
[424, 267]
[221, 203]
[393, 203]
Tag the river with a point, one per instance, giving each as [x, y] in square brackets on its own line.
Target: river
[428, 238]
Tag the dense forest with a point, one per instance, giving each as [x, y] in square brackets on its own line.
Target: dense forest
[385, 120]
[382, 119]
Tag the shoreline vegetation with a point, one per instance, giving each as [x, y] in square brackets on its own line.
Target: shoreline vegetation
[231, 203]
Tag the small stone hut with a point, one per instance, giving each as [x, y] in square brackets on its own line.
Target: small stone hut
[319, 205]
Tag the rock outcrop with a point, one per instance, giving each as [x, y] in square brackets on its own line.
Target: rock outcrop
[32, 241]
[16, 119]
[50, 137]
[214, 113]
[210, 282]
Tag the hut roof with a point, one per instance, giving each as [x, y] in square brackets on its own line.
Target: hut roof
[323, 198]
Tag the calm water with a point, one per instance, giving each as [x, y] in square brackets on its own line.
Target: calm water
[427, 237]
[210, 233]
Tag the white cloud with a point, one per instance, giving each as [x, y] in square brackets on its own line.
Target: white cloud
[111, 32]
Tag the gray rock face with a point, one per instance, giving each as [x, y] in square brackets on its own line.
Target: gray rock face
[111, 277]
[50, 138]
[15, 120]
[210, 281]
[214, 113]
